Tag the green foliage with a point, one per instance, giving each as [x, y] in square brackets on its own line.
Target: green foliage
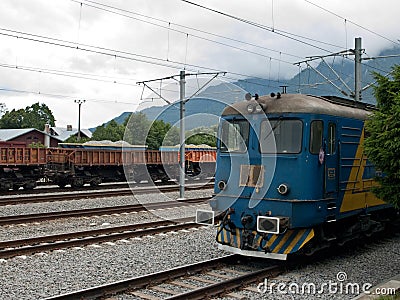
[202, 135]
[36, 145]
[162, 133]
[112, 131]
[34, 116]
[383, 145]
[136, 128]
[74, 139]
[140, 131]
[390, 297]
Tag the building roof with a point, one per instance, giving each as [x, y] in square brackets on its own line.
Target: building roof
[62, 134]
[58, 133]
[9, 134]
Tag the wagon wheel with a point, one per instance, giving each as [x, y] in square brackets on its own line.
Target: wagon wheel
[62, 184]
[95, 181]
[30, 185]
[77, 183]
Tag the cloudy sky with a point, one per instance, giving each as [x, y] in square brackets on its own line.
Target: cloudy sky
[58, 51]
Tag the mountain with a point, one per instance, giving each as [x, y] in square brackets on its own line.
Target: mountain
[205, 109]
[198, 112]
[309, 81]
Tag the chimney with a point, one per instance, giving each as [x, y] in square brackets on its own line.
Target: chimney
[47, 135]
[69, 127]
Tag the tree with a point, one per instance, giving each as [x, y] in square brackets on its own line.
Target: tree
[13, 119]
[37, 116]
[382, 146]
[136, 128]
[161, 134]
[202, 136]
[74, 139]
[34, 116]
[3, 108]
[111, 131]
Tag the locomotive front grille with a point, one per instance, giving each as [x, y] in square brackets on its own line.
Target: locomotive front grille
[251, 175]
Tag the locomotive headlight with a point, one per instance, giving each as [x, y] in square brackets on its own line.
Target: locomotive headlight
[283, 189]
[259, 109]
[221, 185]
[250, 108]
[274, 225]
[205, 217]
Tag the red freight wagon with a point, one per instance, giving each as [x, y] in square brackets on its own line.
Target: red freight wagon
[75, 165]
[20, 166]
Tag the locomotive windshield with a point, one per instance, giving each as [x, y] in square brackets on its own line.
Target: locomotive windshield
[287, 133]
[234, 135]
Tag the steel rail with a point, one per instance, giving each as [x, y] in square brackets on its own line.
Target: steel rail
[168, 276]
[81, 238]
[142, 281]
[65, 196]
[228, 285]
[29, 218]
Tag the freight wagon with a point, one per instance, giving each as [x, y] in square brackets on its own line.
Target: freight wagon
[22, 166]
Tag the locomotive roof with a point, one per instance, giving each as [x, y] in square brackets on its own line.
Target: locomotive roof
[299, 103]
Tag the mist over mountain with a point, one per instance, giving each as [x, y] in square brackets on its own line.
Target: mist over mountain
[309, 81]
[208, 105]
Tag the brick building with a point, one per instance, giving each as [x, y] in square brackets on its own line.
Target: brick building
[28, 136]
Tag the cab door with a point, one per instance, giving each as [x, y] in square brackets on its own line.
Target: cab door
[331, 161]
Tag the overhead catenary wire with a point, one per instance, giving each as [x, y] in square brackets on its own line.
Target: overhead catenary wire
[111, 52]
[110, 9]
[274, 30]
[354, 23]
[117, 53]
[20, 91]
[126, 57]
[169, 28]
[174, 65]
[78, 75]
[89, 48]
[283, 33]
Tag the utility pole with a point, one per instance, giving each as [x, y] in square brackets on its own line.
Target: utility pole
[80, 102]
[182, 100]
[357, 69]
[182, 136]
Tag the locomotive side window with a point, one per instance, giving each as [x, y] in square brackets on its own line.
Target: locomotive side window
[234, 136]
[331, 138]
[317, 128]
[287, 134]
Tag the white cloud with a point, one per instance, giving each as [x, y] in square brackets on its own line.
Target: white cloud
[68, 20]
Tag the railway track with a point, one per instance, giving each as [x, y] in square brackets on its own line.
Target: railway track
[212, 278]
[30, 218]
[44, 188]
[75, 239]
[48, 188]
[118, 191]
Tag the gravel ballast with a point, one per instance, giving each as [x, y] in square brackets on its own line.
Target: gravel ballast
[12, 232]
[46, 274]
[367, 265]
[40, 276]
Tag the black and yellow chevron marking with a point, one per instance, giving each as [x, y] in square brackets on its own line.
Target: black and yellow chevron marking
[289, 242]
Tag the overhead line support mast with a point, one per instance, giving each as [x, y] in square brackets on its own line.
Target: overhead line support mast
[182, 100]
[357, 52]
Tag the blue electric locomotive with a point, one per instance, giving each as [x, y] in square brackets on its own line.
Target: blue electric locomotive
[291, 176]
